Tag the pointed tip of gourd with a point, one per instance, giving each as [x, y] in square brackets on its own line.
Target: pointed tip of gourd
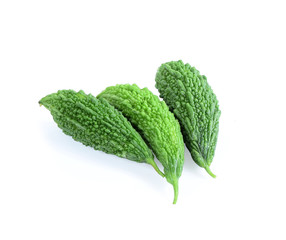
[176, 191]
[42, 101]
[210, 172]
[154, 165]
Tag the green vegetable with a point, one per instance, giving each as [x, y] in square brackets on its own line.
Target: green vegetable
[158, 126]
[193, 102]
[95, 123]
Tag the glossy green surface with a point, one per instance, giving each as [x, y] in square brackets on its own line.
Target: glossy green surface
[194, 104]
[156, 124]
[95, 123]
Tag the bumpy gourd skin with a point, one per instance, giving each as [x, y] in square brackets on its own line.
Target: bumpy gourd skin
[193, 102]
[158, 126]
[95, 123]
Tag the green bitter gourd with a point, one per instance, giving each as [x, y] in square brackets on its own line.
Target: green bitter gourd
[95, 123]
[193, 102]
[157, 125]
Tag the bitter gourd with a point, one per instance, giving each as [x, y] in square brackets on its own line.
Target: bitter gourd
[95, 123]
[158, 126]
[193, 102]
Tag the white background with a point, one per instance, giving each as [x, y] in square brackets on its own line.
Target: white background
[54, 188]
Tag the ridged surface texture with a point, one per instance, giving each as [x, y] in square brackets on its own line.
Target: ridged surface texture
[157, 125]
[95, 123]
[193, 102]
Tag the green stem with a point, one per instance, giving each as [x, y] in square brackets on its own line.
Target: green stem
[210, 172]
[154, 165]
[176, 191]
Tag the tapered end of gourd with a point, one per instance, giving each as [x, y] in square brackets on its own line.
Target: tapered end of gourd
[40, 103]
[43, 101]
[210, 172]
[176, 191]
[154, 165]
